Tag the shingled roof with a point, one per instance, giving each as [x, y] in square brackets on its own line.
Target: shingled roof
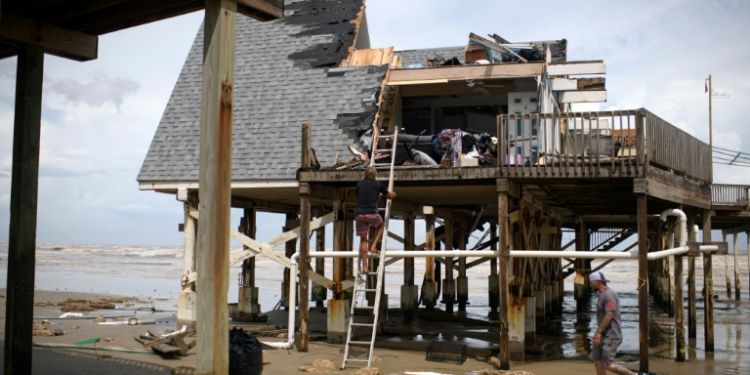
[285, 74]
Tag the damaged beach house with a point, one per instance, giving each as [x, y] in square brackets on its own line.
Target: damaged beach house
[479, 137]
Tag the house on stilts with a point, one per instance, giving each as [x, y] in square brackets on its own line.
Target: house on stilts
[525, 166]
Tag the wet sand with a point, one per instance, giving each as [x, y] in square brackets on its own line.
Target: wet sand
[51, 360]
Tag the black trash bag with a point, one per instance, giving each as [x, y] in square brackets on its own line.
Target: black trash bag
[245, 353]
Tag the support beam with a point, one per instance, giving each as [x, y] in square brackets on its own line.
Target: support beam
[449, 283]
[708, 286]
[54, 40]
[215, 179]
[247, 302]
[581, 291]
[462, 282]
[320, 292]
[503, 260]
[727, 280]
[643, 280]
[494, 281]
[736, 265]
[186, 308]
[430, 290]
[692, 311]
[304, 258]
[409, 291]
[19, 307]
[679, 308]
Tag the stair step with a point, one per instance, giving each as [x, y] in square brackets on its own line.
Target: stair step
[359, 343]
[362, 325]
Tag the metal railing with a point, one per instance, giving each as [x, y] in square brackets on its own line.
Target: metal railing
[597, 144]
[730, 195]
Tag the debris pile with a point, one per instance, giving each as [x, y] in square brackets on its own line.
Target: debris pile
[168, 343]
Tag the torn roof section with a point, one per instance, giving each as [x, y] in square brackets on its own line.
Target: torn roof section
[282, 78]
[558, 48]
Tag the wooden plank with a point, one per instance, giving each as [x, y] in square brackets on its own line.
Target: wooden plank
[677, 189]
[582, 97]
[24, 187]
[564, 84]
[315, 224]
[643, 280]
[459, 73]
[54, 40]
[215, 179]
[262, 10]
[576, 67]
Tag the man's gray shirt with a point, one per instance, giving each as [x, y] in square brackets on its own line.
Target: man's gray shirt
[608, 301]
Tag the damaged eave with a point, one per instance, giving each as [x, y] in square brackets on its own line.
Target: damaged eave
[399, 77]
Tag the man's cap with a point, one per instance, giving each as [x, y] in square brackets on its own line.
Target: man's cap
[598, 276]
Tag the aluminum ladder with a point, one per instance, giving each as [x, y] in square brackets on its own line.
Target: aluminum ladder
[360, 290]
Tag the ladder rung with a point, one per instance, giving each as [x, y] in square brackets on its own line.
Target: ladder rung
[365, 307]
[372, 273]
[359, 343]
[381, 164]
[357, 360]
[384, 150]
[362, 324]
[367, 290]
[381, 209]
[385, 136]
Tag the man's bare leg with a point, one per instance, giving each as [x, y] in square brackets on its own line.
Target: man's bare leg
[363, 254]
[374, 243]
[599, 368]
[618, 369]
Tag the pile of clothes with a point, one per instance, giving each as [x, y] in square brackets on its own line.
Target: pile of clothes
[453, 144]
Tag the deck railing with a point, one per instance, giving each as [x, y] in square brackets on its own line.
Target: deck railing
[730, 195]
[597, 144]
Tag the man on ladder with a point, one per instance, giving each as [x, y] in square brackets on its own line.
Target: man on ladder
[367, 215]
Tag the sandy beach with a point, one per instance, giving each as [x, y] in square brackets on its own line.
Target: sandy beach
[147, 278]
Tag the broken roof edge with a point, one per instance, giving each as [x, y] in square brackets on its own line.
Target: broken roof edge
[236, 184]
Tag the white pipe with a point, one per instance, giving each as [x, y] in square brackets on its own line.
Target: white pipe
[289, 344]
[481, 254]
[669, 252]
[683, 223]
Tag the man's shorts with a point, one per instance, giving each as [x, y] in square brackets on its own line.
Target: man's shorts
[606, 351]
[364, 222]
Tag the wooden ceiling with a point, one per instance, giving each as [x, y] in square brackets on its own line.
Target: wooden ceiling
[69, 28]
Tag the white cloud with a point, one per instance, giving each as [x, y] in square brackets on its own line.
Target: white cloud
[99, 91]
[5, 200]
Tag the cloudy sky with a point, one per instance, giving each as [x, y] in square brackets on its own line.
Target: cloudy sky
[99, 117]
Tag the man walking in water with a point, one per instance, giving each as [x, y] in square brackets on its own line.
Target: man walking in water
[366, 214]
[608, 336]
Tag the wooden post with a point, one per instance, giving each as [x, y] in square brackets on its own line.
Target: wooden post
[248, 292]
[494, 281]
[429, 292]
[503, 260]
[462, 281]
[215, 186]
[692, 311]
[409, 291]
[186, 300]
[643, 280]
[679, 308]
[449, 284]
[747, 237]
[339, 243]
[708, 286]
[735, 236]
[319, 292]
[304, 264]
[290, 247]
[19, 308]
[728, 281]
[581, 287]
